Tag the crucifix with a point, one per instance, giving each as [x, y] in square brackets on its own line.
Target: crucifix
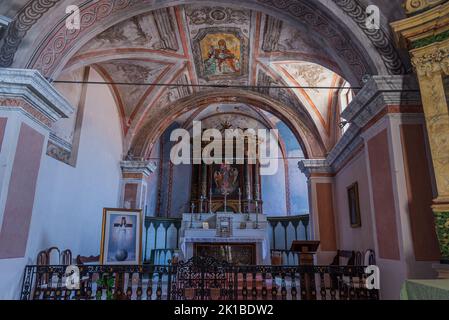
[122, 226]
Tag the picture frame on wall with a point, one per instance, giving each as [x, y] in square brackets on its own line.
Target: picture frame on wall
[354, 205]
[121, 238]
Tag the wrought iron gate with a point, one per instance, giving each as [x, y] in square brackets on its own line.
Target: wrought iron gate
[204, 278]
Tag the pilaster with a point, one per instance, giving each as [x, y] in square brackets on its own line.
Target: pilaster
[426, 36]
[321, 201]
[29, 105]
[134, 183]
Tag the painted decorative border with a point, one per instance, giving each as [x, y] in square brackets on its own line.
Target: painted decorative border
[19, 27]
[62, 39]
[380, 40]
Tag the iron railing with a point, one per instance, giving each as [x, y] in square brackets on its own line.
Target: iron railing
[198, 279]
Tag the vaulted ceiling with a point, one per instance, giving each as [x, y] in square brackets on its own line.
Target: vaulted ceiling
[228, 45]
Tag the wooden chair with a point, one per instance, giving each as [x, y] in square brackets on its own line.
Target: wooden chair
[82, 260]
[350, 255]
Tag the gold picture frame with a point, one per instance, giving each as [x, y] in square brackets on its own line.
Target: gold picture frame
[354, 206]
[121, 237]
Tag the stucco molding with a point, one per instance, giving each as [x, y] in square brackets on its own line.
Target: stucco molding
[146, 168]
[417, 6]
[59, 149]
[315, 166]
[33, 88]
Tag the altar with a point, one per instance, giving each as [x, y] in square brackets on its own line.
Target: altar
[234, 237]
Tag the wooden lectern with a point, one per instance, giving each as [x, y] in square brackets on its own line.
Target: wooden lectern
[306, 250]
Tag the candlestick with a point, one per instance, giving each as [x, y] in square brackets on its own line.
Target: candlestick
[225, 201]
[191, 215]
[257, 215]
[240, 201]
[210, 201]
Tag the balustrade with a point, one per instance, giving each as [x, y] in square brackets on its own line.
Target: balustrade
[198, 279]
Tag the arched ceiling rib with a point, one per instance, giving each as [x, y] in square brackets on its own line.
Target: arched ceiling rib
[294, 43]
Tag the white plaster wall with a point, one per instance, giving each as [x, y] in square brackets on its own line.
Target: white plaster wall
[153, 183]
[68, 205]
[349, 238]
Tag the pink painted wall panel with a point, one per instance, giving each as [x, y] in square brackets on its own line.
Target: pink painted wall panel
[131, 194]
[325, 206]
[3, 122]
[21, 193]
[419, 191]
[383, 199]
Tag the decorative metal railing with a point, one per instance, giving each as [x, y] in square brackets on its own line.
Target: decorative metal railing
[198, 279]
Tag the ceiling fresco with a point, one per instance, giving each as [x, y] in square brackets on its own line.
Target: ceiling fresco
[202, 45]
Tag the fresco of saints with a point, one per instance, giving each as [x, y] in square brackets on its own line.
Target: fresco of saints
[221, 59]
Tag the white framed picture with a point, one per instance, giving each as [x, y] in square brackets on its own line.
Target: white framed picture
[121, 240]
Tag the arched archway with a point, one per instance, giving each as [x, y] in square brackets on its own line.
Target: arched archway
[340, 24]
[159, 119]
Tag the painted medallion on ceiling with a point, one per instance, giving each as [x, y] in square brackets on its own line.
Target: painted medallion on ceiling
[220, 42]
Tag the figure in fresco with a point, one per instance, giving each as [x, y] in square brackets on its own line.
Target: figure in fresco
[221, 59]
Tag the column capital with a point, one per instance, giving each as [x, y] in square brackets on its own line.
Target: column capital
[137, 169]
[315, 168]
[29, 91]
[431, 60]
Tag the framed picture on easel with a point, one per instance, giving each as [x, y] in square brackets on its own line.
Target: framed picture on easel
[354, 206]
[121, 240]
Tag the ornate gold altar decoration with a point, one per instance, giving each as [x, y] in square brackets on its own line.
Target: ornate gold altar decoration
[415, 6]
[426, 36]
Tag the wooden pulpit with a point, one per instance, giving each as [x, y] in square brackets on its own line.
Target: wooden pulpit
[306, 250]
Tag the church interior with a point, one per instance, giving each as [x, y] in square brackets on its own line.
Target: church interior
[98, 96]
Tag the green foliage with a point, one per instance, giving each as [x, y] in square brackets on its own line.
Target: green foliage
[106, 282]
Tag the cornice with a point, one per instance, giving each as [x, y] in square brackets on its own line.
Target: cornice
[142, 167]
[421, 29]
[31, 87]
[413, 7]
[371, 102]
[379, 92]
[312, 167]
